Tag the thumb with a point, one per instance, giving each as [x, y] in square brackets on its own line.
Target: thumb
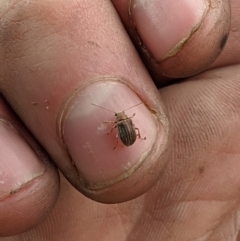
[55, 72]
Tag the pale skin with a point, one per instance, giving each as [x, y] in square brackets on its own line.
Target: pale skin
[197, 194]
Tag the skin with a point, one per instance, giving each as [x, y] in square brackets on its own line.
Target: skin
[196, 197]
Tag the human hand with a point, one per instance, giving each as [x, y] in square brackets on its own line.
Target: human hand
[49, 51]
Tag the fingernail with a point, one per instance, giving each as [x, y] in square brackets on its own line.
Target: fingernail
[165, 26]
[18, 163]
[84, 133]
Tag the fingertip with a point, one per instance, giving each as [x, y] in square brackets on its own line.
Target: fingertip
[26, 207]
[29, 182]
[202, 47]
[110, 170]
[176, 39]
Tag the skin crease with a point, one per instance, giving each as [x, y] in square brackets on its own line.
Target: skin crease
[197, 197]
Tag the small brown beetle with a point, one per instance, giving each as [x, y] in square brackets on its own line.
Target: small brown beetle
[126, 129]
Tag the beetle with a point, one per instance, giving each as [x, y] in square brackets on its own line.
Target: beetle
[126, 130]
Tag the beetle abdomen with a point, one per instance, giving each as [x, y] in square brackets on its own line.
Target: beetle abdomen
[126, 132]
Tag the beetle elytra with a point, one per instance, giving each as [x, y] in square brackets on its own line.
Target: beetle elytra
[126, 130]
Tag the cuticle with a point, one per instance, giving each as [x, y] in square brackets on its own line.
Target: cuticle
[180, 45]
[8, 122]
[17, 189]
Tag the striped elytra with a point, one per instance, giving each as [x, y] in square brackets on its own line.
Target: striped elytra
[126, 130]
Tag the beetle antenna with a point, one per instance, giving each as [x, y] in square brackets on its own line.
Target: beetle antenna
[102, 107]
[133, 106]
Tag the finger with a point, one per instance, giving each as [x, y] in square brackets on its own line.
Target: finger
[53, 73]
[199, 190]
[176, 38]
[29, 184]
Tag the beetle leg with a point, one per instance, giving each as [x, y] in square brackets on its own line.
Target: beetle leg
[116, 142]
[139, 135]
[111, 130]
